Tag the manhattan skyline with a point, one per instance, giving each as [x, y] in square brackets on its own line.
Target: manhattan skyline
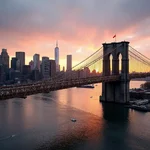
[80, 27]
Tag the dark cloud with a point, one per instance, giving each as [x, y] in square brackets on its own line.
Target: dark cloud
[51, 13]
[68, 18]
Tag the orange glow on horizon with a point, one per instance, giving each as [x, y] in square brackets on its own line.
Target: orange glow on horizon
[80, 46]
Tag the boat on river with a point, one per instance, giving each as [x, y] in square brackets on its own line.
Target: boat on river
[86, 86]
[73, 120]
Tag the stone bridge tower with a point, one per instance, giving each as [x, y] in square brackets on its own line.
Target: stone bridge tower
[117, 91]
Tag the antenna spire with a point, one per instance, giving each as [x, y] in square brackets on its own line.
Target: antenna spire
[57, 43]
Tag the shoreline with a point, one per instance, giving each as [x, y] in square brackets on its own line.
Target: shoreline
[139, 100]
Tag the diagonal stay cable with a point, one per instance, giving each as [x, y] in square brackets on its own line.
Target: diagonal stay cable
[102, 56]
[88, 57]
[139, 58]
[140, 53]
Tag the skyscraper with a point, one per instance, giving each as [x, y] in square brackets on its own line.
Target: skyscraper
[0, 60]
[63, 69]
[31, 63]
[69, 62]
[26, 70]
[2, 74]
[57, 57]
[36, 60]
[52, 68]
[21, 57]
[14, 63]
[45, 67]
[5, 58]
[18, 65]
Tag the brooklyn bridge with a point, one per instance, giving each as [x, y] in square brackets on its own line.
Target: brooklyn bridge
[117, 64]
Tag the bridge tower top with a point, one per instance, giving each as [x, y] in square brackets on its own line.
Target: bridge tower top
[115, 49]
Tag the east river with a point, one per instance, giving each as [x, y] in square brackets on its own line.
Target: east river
[43, 122]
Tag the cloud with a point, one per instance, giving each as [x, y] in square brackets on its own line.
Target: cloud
[79, 50]
[68, 17]
[26, 24]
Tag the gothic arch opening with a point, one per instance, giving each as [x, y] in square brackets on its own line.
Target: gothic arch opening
[119, 57]
[111, 63]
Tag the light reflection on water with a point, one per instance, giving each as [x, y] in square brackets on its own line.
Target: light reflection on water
[43, 121]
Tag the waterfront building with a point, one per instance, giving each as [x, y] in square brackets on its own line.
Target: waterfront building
[26, 70]
[36, 60]
[31, 63]
[35, 75]
[5, 58]
[86, 72]
[14, 63]
[21, 56]
[0, 60]
[69, 62]
[18, 64]
[45, 68]
[63, 69]
[2, 74]
[14, 75]
[52, 68]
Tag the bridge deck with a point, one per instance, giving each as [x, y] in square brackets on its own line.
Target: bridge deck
[24, 90]
[47, 86]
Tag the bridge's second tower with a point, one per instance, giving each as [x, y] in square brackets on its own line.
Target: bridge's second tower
[117, 91]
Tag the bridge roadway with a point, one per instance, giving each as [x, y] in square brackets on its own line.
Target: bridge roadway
[138, 75]
[23, 90]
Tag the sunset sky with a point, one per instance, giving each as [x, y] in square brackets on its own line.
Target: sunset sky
[80, 26]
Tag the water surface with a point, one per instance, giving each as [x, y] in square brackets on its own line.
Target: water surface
[43, 121]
